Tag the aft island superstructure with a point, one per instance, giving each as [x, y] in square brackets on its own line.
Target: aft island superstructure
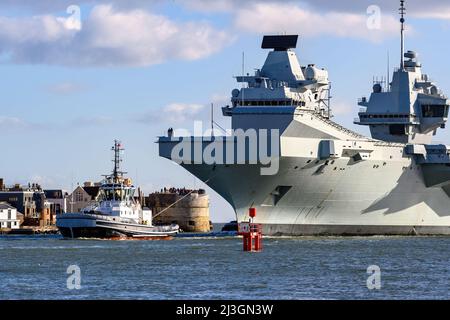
[322, 178]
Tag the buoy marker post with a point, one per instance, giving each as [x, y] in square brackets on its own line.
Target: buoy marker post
[251, 233]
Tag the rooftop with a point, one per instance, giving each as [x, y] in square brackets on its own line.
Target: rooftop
[92, 191]
[55, 193]
[5, 205]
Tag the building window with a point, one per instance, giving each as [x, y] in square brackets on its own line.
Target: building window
[78, 197]
[191, 223]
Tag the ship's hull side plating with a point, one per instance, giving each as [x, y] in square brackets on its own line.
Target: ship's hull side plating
[366, 187]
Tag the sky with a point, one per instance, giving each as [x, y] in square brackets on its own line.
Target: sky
[77, 74]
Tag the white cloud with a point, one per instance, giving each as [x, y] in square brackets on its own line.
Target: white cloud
[415, 8]
[128, 34]
[34, 30]
[181, 112]
[212, 5]
[61, 5]
[435, 9]
[12, 123]
[220, 99]
[173, 114]
[442, 14]
[340, 108]
[65, 88]
[291, 18]
[108, 38]
[91, 121]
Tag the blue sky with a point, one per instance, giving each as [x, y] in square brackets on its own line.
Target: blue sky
[130, 71]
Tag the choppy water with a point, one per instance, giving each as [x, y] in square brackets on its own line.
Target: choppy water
[288, 268]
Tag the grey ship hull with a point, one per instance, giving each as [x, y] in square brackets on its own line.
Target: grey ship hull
[315, 208]
[313, 194]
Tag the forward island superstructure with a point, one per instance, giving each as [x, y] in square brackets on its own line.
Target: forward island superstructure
[329, 180]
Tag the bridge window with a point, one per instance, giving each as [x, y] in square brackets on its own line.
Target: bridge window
[268, 103]
[397, 129]
[434, 111]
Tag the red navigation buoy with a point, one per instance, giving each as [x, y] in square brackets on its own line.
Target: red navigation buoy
[251, 233]
[252, 212]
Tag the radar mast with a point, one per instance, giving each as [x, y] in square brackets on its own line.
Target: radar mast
[117, 174]
[402, 31]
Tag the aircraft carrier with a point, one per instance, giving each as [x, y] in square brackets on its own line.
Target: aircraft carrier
[322, 178]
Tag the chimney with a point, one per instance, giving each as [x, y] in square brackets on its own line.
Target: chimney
[88, 184]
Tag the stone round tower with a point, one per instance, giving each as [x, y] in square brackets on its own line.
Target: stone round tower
[189, 209]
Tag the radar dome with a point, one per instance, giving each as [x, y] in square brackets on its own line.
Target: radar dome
[377, 88]
[235, 93]
[434, 90]
[314, 73]
[411, 54]
[412, 64]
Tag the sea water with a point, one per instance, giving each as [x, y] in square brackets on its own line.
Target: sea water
[49, 267]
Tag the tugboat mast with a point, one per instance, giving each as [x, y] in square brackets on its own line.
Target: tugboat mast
[117, 174]
[402, 21]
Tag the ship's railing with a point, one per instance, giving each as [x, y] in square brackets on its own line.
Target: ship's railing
[113, 218]
[357, 135]
[376, 118]
[380, 143]
[127, 220]
[370, 121]
[335, 125]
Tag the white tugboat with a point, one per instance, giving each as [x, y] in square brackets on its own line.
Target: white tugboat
[116, 214]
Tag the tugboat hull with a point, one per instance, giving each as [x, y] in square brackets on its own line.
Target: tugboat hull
[79, 225]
